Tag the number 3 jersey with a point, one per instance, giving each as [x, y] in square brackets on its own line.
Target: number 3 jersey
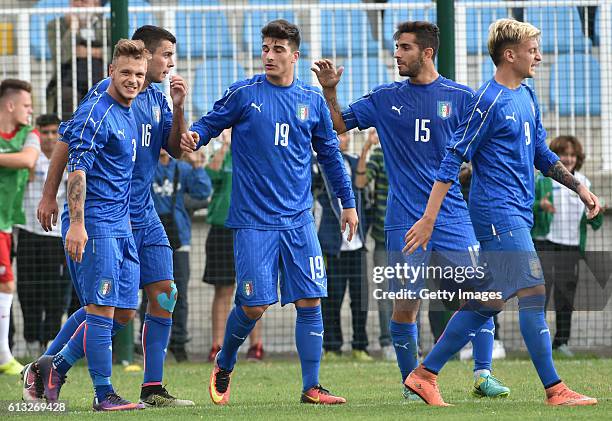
[414, 124]
[502, 135]
[274, 130]
[153, 117]
[102, 143]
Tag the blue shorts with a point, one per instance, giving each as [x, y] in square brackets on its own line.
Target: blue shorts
[154, 253]
[259, 255]
[512, 261]
[451, 259]
[109, 273]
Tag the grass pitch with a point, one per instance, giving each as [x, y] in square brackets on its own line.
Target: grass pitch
[271, 390]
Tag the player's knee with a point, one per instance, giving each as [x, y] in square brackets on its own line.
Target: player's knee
[167, 297]
[124, 316]
[256, 312]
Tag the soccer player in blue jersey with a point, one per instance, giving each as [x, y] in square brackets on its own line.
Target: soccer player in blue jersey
[158, 128]
[102, 151]
[276, 121]
[503, 136]
[414, 120]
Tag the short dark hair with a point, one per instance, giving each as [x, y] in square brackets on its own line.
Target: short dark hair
[560, 144]
[427, 34]
[282, 29]
[47, 120]
[152, 36]
[9, 86]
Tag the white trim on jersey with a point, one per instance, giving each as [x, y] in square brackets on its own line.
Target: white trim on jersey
[239, 88]
[457, 88]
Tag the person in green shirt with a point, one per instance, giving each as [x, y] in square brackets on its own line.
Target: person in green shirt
[560, 233]
[220, 270]
[19, 150]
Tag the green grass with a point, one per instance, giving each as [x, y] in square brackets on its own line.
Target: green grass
[271, 390]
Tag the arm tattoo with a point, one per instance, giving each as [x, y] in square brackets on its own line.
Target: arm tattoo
[76, 197]
[333, 102]
[559, 173]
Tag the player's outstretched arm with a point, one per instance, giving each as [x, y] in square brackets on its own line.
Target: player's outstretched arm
[329, 76]
[178, 92]
[76, 238]
[420, 233]
[48, 210]
[559, 173]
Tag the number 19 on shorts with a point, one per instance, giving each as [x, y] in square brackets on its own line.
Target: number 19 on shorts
[317, 267]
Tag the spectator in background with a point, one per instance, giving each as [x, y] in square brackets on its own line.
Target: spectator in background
[19, 150]
[559, 232]
[172, 181]
[87, 29]
[374, 171]
[345, 264]
[220, 270]
[44, 286]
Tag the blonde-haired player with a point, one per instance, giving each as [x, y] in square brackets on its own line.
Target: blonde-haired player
[503, 136]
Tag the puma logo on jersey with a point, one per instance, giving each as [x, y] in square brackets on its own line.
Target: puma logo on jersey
[257, 107]
[316, 334]
[544, 331]
[399, 110]
[121, 132]
[511, 117]
[479, 112]
[94, 122]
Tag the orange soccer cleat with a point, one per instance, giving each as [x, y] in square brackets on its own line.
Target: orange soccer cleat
[219, 385]
[424, 384]
[319, 396]
[560, 394]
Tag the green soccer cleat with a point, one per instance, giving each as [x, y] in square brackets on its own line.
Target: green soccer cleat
[488, 386]
[157, 396]
[12, 367]
[409, 395]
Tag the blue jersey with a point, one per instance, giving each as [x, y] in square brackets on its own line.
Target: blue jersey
[503, 136]
[414, 123]
[154, 121]
[274, 130]
[102, 143]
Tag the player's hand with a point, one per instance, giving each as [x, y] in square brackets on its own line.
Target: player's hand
[327, 73]
[47, 213]
[189, 141]
[372, 138]
[590, 201]
[178, 90]
[546, 204]
[419, 235]
[76, 238]
[349, 217]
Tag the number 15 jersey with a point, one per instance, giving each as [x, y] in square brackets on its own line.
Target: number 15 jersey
[414, 123]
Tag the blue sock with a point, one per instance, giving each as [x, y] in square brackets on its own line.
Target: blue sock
[482, 344]
[405, 338]
[98, 346]
[237, 329]
[155, 337]
[309, 343]
[537, 337]
[457, 333]
[66, 332]
[71, 352]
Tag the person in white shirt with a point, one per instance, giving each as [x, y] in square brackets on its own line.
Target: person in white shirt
[559, 235]
[43, 282]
